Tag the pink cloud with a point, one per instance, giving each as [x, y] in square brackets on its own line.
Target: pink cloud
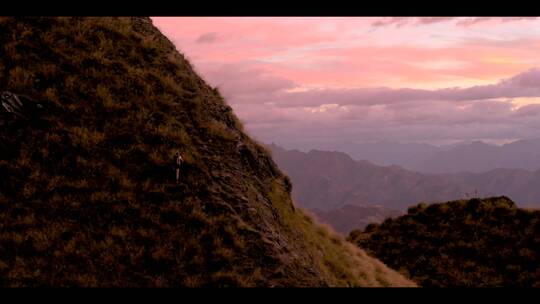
[402, 21]
[460, 21]
[476, 20]
[341, 52]
[243, 78]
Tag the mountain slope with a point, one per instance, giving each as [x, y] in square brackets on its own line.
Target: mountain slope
[329, 180]
[467, 243]
[89, 198]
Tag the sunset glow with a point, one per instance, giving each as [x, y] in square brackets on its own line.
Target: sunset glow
[358, 78]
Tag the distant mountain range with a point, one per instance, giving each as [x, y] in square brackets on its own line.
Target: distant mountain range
[330, 180]
[475, 156]
[480, 157]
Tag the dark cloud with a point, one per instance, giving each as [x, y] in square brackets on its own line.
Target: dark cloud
[208, 38]
[431, 20]
[396, 21]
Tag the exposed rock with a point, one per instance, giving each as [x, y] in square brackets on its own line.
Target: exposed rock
[15, 107]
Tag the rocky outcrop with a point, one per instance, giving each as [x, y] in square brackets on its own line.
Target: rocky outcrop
[15, 107]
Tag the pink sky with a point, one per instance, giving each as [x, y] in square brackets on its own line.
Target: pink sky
[370, 79]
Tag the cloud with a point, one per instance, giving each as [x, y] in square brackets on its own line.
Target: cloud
[529, 110]
[415, 21]
[275, 108]
[461, 21]
[431, 20]
[475, 20]
[479, 112]
[240, 79]
[431, 122]
[208, 38]
[527, 79]
[396, 21]
[430, 78]
[526, 84]
[347, 52]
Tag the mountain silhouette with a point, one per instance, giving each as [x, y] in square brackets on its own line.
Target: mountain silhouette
[465, 156]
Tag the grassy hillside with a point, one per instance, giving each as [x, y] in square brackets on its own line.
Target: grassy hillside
[87, 196]
[479, 243]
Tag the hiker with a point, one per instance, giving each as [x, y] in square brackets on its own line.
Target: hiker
[178, 160]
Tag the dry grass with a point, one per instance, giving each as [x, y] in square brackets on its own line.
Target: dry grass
[466, 243]
[339, 261]
[90, 198]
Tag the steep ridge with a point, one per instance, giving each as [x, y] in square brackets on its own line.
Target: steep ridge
[87, 196]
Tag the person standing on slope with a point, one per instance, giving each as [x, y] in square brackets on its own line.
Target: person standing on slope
[178, 160]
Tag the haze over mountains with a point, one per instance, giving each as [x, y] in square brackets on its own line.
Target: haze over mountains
[467, 156]
[330, 180]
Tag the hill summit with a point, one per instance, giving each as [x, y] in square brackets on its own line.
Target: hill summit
[466, 243]
[88, 195]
